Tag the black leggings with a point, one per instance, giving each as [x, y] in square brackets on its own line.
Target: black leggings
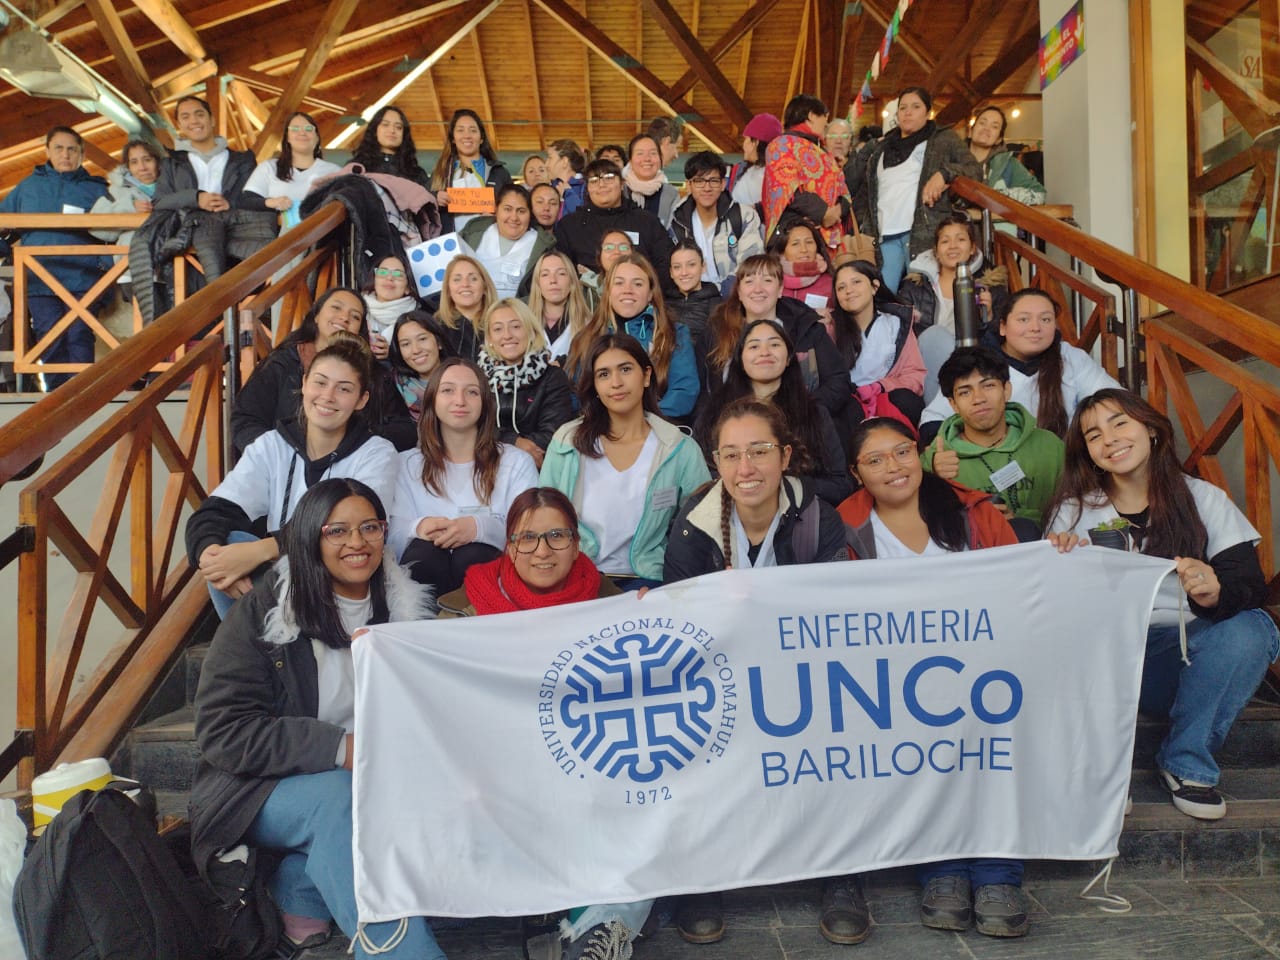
[444, 569]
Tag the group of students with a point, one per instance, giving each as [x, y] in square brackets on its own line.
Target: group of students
[487, 453]
[623, 501]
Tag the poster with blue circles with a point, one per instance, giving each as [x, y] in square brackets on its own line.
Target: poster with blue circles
[428, 260]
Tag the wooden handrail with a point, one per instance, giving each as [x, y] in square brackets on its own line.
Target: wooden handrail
[71, 221]
[50, 420]
[1226, 321]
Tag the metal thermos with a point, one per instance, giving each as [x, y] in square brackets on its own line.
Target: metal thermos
[968, 320]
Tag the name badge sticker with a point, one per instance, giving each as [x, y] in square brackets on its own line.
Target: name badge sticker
[1007, 476]
[664, 498]
[816, 301]
[71, 208]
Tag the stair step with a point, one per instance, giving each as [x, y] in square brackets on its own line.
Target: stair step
[195, 660]
[1254, 740]
[162, 754]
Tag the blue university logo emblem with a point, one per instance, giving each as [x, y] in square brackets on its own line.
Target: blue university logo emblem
[639, 703]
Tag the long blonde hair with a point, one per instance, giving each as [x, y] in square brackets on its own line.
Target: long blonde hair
[576, 312]
[604, 322]
[450, 315]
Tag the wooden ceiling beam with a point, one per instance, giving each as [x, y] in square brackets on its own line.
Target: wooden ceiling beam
[333, 21]
[1011, 59]
[977, 20]
[248, 103]
[594, 38]
[683, 39]
[533, 73]
[1207, 17]
[254, 81]
[485, 100]
[444, 33]
[173, 25]
[136, 83]
[915, 51]
[728, 40]
[49, 18]
[183, 79]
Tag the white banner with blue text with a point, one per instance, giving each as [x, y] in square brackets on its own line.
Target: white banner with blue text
[750, 727]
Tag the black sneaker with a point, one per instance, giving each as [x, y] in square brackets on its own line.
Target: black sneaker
[844, 917]
[1199, 800]
[947, 903]
[1000, 910]
[700, 917]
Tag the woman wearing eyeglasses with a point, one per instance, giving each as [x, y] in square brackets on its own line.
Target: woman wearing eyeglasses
[275, 719]
[328, 438]
[578, 233]
[282, 184]
[901, 511]
[756, 515]
[388, 295]
[542, 567]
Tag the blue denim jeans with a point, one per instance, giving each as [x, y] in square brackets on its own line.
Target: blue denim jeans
[310, 816]
[895, 254]
[980, 871]
[1203, 699]
[222, 602]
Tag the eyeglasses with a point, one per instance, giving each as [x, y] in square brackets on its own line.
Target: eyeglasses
[560, 538]
[755, 452]
[616, 247]
[903, 454]
[305, 128]
[371, 531]
[603, 176]
[706, 181]
[384, 272]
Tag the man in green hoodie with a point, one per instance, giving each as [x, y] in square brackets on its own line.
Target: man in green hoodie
[990, 443]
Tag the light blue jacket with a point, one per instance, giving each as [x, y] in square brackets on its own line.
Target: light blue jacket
[679, 466]
[682, 370]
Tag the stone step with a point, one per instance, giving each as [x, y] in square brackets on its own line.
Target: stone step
[1254, 740]
[162, 754]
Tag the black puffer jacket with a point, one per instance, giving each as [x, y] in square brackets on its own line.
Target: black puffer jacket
[825, 374]
[695, 546]
[531, 408]
[579, 235]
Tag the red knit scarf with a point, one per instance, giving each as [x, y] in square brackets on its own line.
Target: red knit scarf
[495, 587]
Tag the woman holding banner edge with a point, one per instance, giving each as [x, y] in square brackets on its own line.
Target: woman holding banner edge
[543, 567]
[757, 515]
[274, 719]
[901, 511]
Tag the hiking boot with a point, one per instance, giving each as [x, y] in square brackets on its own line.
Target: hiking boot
[1199, 800]
[700, 917]
[1000, 910]
[604, 941]
[844, 917]
[946, 903]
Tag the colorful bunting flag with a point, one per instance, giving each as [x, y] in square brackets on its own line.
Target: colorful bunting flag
[881, 59]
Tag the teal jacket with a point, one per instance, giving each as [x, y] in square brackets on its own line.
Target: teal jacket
[679, 466]
[1038, 452]
[1005, 173]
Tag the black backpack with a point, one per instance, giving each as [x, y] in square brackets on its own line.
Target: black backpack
[100, 883]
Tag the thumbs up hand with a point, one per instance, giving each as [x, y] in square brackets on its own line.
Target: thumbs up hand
[946, 463]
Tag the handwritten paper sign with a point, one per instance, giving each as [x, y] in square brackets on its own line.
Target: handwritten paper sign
[471, 200]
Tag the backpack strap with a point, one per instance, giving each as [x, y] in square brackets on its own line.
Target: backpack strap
[804, 537]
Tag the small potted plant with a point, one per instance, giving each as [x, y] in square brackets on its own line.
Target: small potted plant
[1114, 534]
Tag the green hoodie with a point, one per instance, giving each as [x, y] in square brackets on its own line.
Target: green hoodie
[1038, 452]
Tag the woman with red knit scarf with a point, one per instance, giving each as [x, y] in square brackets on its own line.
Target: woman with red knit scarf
[543, 567]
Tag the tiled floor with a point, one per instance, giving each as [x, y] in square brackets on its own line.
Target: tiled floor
[1223, 920]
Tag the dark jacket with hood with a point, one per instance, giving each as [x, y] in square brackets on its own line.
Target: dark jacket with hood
[579, 234]
[272, 394]
[693, 309]
[256, 708]
[48, 191]
[809, 531]
[825, 374]
[178, 189]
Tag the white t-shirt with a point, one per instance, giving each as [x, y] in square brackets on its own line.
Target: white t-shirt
[889, 547]
[897, 188]
[413, 502]
[749, 186]
[1222, 520]
[335, 673]
[264, 182]
[613, 504]
[705, 238]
